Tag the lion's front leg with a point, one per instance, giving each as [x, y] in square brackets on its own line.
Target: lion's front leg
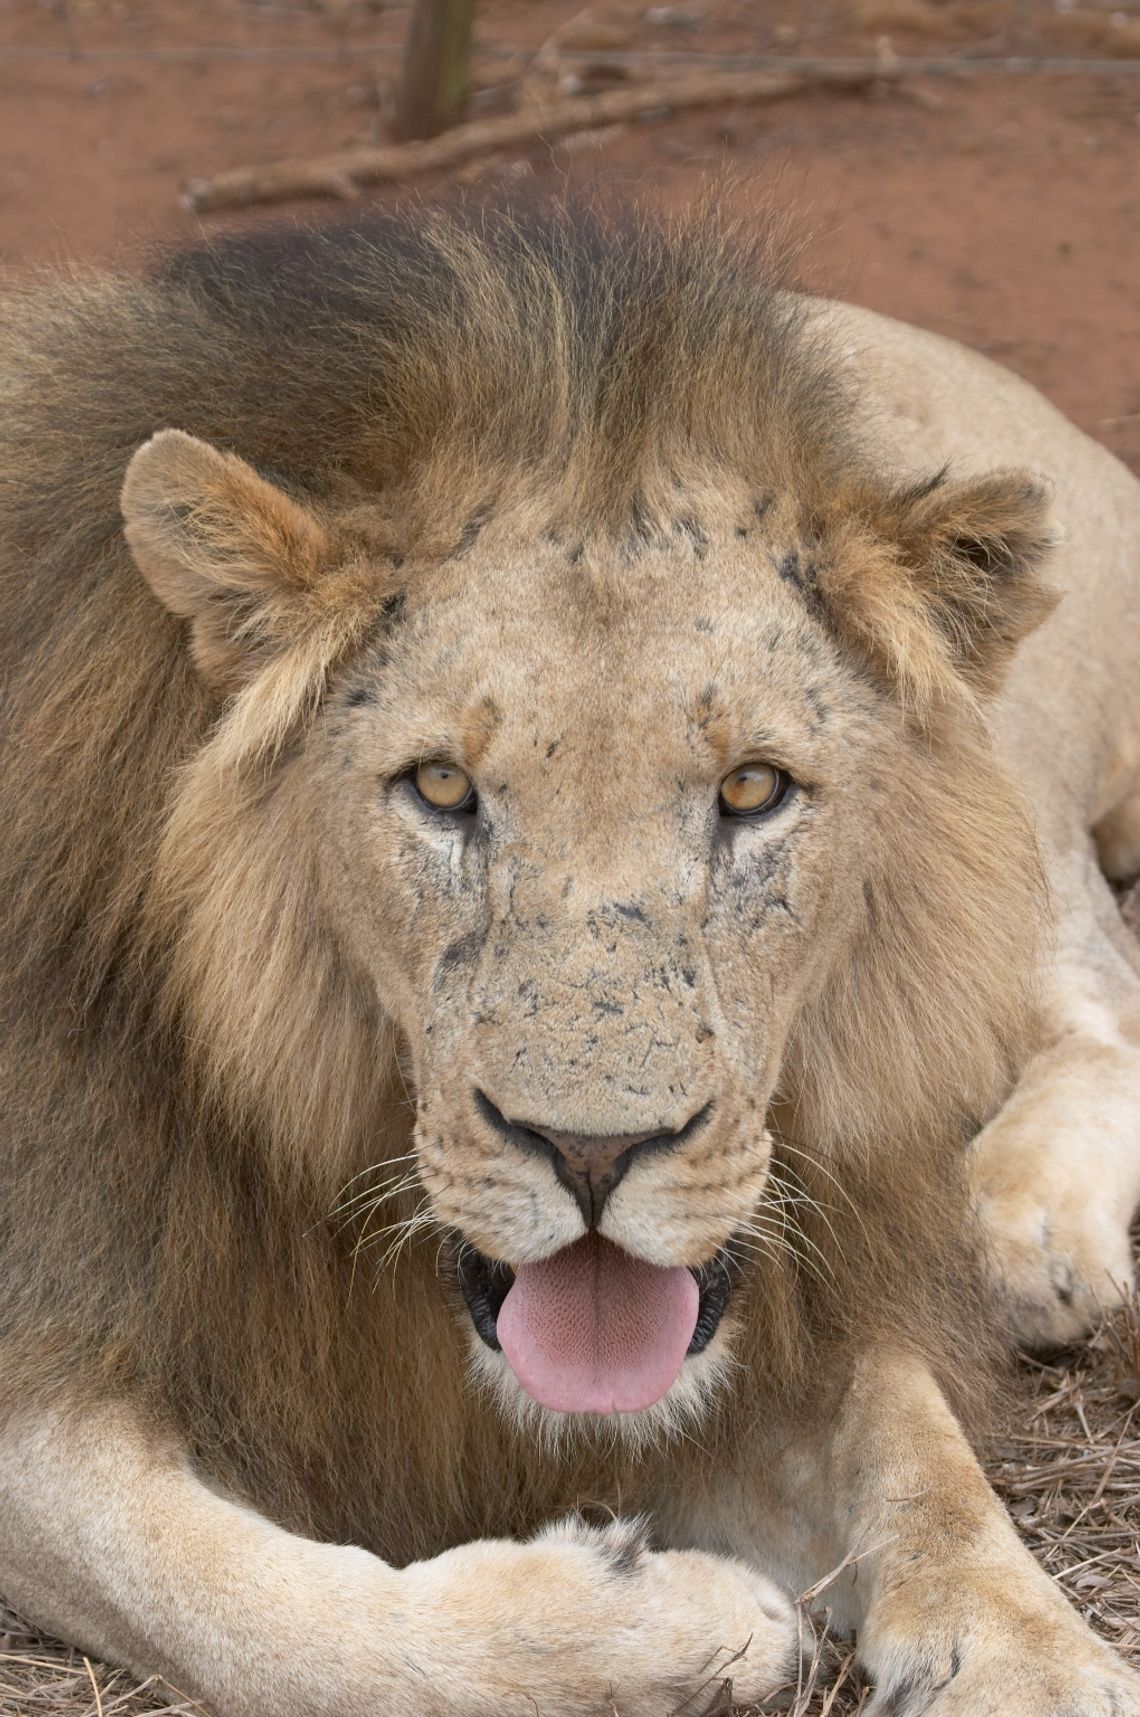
[108, 1538]
[1056, 1173]
[958, 1620]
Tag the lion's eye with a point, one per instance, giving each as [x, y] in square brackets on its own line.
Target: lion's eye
[752, 789]
[445, 787]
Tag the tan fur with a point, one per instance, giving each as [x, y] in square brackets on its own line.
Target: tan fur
[598, 544]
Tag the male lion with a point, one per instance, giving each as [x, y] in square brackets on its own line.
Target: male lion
[521, 870]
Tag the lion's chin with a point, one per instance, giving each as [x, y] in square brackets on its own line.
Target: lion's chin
[594, 1330]
[679, 1414]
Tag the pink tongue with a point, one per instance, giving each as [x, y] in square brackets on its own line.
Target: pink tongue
[595, 1330]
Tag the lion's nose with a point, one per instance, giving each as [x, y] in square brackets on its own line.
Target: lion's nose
[589, 1165]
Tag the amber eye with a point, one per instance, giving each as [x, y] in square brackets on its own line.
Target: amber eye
[751, 790]
[445, 787]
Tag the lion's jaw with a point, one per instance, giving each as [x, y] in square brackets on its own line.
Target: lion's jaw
[597, 953]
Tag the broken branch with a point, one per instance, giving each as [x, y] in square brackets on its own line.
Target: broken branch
[343, 173]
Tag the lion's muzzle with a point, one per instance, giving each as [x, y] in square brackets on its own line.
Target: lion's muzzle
[594, 1329]
[589, 1165]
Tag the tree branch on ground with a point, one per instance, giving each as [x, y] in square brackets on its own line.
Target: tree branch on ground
[344, 172]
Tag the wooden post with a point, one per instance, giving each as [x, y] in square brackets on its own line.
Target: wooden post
[436, 67]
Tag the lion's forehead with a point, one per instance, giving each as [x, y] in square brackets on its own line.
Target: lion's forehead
[540, 650]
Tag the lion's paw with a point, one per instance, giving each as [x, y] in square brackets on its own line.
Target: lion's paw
[1058, 1278]
[1056, 1234]
[1075, 1676]
[583, 1621]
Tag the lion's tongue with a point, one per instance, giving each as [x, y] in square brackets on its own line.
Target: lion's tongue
[594, 1330]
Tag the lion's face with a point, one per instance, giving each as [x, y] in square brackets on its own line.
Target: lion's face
[594, 942]
[597, 821]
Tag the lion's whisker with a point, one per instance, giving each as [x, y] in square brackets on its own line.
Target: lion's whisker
[383, 1163]
[787, 1247]
[391, 1257]
[371, 1197]
[418, 1216]
[369, 1236]
[413, 1228]
[363, 1207]
[816, 1162]
[804, 1200]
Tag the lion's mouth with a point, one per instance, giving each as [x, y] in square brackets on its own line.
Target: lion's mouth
[594, 1329]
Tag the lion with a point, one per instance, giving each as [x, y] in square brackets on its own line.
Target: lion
[561, 1002]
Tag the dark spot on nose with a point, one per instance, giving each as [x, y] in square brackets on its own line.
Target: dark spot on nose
[589, 1165]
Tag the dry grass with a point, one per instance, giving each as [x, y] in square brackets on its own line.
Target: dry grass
[40, 1678]
[1067, 1464]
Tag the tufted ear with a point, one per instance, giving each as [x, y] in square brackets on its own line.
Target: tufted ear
[224, 549]
[952, 582]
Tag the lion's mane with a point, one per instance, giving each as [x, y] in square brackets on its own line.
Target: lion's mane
[165, 1215]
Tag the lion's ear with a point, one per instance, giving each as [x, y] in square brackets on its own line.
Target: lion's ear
[962, 566]
[224, 549]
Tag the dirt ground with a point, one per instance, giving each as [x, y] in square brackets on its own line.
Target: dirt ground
[1004, 210]
[996, 200]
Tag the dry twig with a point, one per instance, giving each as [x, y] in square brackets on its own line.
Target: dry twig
[343, 173]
